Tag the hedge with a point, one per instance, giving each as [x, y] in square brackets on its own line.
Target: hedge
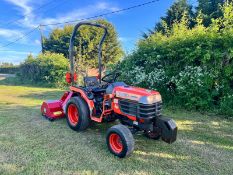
[48, 68]
[192, 68]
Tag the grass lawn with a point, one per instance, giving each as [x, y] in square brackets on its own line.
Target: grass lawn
[30, 144]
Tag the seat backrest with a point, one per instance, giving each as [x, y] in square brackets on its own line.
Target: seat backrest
[91, 81]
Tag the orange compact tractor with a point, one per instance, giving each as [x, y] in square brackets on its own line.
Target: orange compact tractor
[103, 99]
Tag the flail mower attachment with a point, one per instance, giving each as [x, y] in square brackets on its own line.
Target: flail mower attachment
[54, 109]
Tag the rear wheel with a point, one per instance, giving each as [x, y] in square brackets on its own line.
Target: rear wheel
[120, 140]
[77, 112]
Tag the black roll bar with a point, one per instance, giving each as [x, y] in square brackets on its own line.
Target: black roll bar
[71, 47]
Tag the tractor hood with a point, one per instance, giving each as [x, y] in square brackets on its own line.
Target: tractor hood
[141, 95]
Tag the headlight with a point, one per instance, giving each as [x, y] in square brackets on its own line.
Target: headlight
[150, 99]
[154, 98]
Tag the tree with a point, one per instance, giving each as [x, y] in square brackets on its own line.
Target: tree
[6, 64]
[192, 67]
[211, 9]
[8, 68]
[174, 14]
[86, 43]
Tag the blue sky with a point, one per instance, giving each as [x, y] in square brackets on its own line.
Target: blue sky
[129, 24]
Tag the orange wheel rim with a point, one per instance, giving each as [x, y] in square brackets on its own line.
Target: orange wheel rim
[73, 114]
[115, 143]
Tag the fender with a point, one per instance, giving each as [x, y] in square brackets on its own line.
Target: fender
[169, 129]
[90, 103]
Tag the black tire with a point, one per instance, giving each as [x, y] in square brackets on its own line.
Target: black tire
[126, 140]
[83, 114]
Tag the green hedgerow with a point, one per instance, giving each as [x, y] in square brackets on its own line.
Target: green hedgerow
[48, 68]
[190, 67]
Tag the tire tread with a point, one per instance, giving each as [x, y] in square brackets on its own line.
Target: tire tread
[127, 136]
[84, 114]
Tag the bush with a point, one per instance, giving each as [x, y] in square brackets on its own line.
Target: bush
[48, 68]
[190, 67]
[194, 87]
[226, 105]
[9, 70]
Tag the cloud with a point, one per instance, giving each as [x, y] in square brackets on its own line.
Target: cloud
[31, 20]
[37, 42]
[12, 56]
[104, 6]
[23, 5]
[80, 13]
[126, 39]
[15, 52]
[26, 10]
[128, 43]
[9, 34]
[123, 39]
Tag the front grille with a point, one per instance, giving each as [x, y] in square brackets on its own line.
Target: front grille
[140, 110]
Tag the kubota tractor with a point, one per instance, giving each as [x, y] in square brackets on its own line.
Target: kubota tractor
[103, 99]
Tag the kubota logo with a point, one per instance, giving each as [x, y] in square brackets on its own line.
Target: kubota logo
[127, 95]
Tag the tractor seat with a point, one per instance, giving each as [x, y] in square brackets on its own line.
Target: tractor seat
[91, 81]
[93, 85]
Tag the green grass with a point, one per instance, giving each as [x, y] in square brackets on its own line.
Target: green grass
[30, 144]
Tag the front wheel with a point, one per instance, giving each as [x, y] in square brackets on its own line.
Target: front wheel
[120, 141]
[77, 112]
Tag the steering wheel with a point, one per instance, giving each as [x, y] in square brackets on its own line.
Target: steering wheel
[111, 77]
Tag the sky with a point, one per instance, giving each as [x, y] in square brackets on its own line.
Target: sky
[17, 17]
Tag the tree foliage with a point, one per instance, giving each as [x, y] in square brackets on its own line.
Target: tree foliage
[211, 9]
[8, 68]
[86, 43]
[173, 15]
[190, 67]
[6, 64]
[48, 68]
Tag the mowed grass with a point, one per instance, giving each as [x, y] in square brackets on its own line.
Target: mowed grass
[30, 144]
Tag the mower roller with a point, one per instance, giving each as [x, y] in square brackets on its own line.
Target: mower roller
[103, 99]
